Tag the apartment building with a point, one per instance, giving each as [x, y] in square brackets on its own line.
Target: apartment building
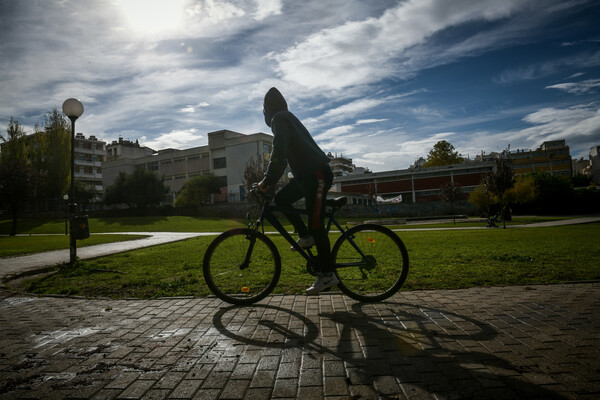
[340, 165]
[126, 149]
[225, 156]
[89, 153]
[552, 157]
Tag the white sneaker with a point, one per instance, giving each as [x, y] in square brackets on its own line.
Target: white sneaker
[324, 281]
[304, 242]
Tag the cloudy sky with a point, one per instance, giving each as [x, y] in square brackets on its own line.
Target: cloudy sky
[378, 81]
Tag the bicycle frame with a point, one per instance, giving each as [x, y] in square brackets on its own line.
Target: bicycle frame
[267, 213]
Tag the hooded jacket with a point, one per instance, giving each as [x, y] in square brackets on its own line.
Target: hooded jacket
[292, 143]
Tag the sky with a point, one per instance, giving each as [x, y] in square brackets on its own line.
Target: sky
[376, 81]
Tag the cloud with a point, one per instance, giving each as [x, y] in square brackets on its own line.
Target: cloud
[334, 132]
[365, 51]
[267, 8]
[352, 110]
[177, 139]
[547, 68]
[577, 87]
[369, 121]
[214, 11]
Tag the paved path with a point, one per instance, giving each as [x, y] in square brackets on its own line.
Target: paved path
[12, 266]
[483, 343]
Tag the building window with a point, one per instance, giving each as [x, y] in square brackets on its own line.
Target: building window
[219, 163]
[266, 148]
[152, 166]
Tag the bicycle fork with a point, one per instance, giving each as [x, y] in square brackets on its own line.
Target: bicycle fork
[246, 263]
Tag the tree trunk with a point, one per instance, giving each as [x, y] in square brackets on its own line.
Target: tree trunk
[13, 230]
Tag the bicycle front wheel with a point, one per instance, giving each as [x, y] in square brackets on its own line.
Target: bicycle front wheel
[241, 266]
[371, 262]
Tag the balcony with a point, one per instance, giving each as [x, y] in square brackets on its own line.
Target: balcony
[86, 163]
[83, 175]
[81, 150]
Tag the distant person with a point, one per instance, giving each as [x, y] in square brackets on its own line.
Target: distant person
[293, 146]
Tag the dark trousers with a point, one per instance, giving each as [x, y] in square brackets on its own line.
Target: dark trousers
[313, 188]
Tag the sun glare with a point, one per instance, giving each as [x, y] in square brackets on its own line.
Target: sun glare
[152, 17]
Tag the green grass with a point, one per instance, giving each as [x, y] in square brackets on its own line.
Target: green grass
[474, 222]
[126, 224]
[20, 245]
[192, 224]
[439, 260]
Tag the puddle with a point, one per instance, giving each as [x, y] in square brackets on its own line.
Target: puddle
[15, 301]
[62, 336]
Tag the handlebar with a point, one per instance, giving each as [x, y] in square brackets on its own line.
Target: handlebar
[257, 193]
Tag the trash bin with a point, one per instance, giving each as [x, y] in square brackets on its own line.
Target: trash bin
[80, 227]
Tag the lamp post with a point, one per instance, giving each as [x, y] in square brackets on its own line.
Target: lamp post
[73, 108]
[66, 204]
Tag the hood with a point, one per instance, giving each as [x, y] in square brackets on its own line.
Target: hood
[274, 103]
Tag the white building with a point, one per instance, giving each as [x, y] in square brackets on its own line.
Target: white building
[90, 153]
[340, 165]
[225, 156]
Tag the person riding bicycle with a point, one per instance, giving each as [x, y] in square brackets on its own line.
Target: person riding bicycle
[294, 146]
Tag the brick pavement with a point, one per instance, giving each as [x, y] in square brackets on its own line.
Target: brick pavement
[488, 343]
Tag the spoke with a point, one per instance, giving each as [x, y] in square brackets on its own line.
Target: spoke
[229, 271]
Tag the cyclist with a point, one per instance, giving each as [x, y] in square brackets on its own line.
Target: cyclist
[293, 146]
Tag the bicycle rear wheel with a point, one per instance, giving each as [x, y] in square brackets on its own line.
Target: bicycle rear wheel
[241, 266]
[381, 269]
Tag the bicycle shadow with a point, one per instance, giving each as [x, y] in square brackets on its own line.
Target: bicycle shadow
[400, 343]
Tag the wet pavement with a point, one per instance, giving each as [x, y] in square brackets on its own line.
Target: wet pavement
[481, 343]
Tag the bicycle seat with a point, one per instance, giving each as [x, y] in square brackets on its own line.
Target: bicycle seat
[337, 202]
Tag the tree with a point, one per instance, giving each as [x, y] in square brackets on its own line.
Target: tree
[51, 153]
[524, 190]
[483, 198]
[581, 180]
[496, 187]
[17, 179]
[85, 194]
[14, 145]
[554, 193]
[196, 191]
[116, 193]
[443, 153]
[254, 172]
[141, 189]
[450, 193]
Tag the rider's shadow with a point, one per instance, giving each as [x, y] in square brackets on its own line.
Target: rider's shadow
[421, 348]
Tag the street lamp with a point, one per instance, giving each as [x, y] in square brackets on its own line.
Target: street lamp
[73, 108]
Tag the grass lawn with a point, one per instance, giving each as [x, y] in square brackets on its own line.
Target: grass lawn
[438, 259]
[20, 245]
[193, 224]
[126, 224]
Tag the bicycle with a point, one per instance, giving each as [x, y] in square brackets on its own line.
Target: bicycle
[242, 266]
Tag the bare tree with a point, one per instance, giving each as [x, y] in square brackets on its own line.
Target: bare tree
[450, 193]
